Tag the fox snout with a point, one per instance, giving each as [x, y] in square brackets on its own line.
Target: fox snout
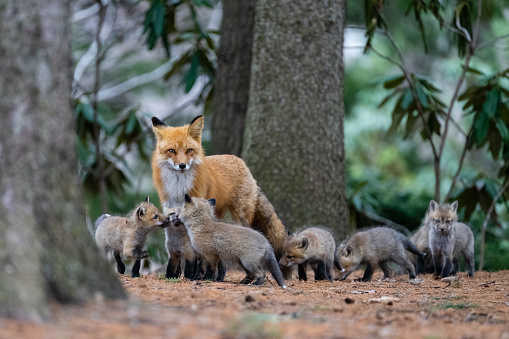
[182, 166]
[174, 219]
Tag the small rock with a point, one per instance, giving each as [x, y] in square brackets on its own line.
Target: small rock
[384, 300]
[249, 298]
[349, 300]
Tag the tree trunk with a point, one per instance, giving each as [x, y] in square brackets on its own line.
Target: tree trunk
[46, 251]
[231, 91]
[294, 126]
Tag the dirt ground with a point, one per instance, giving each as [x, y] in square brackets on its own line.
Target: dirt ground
[158, 308]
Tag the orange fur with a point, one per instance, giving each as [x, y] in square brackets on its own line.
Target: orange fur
[225, 178]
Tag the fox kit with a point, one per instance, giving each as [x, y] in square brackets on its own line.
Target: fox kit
[314, 246]
[127, 236]
[229, 243]
[448, 239]
[376, 246]
[179, 167]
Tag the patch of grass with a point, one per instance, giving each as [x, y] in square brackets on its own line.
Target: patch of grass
[172, 280]
[254, 325]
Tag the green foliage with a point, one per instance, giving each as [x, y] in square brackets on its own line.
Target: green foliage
[199, 58]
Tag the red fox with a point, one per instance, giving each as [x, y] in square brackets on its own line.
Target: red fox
[179, 167]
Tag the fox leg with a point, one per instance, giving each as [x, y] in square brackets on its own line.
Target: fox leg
[173, 269]
[455, 265]
[302, 268]
[447, 266]
[212, 261]
[221, 271]
[402, 259]
[384, 265]
[437, 263]
[320, 272]
[136, 269]
[120, 264]
[328, 268]
[368, 272]
[469, 260]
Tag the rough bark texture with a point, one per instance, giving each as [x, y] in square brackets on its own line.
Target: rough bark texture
[294, 126]
[231, 91]
[46, 251]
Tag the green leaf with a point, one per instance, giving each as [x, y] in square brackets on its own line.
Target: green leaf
[407, 100]
[395, 82]
[159, 10]
[502, 129]
[192, 73]
[481, 125]
[491, 104]
[422, 97]
[410, 124]
[495, 144]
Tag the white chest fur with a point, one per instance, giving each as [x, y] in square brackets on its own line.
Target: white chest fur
[176, 184]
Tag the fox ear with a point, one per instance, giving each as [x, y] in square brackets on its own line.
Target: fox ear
[433, 205]
[288, 233]
[146, 199]
[188, 199]
[141, 212]
[305, 243]
[212, 202]
[157, 123]
[348, 251]
[454, 206]
[195, 128]
[156, 127]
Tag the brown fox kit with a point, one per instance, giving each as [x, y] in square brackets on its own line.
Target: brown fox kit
[448, 239]
[314, 246]
[127, 236]
[232, 244]
[376, 246]
[179, 167]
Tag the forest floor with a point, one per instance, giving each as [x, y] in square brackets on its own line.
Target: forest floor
[159, 308]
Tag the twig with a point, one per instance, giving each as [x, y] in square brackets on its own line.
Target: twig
[485, 223]
[487, 284]
[458, 171]
[111, 92]
[492, 41]
[387, 222]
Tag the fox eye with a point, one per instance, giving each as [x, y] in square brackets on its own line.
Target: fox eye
[437, 221]
[189, 150]
[155, 217]
[171, 150]
[448, 221]
[289, 257]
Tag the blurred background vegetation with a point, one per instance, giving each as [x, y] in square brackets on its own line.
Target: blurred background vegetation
[403, 62]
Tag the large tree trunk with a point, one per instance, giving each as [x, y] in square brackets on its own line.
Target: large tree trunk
[294, 126]
[231, 91]
[46, 251]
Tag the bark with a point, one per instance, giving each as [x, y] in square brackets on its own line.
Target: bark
[46, 251]
[231, 91]
[293, 140]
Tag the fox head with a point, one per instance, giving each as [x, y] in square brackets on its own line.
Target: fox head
[197, 210]
[148, 216]
[294, 251]
[348, 257]
[179, 147]
[173, 215]
[442, 217]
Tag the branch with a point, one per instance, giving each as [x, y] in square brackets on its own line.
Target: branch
[111, 92]
[485, 223]
[456, 175]
[492, 41]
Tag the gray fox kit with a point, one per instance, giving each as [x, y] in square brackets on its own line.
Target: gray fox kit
[376, 246]
[314, 246]
[448, 239]
[127, 236]
[226, 242]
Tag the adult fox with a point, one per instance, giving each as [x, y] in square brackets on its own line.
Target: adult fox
[179, 167]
